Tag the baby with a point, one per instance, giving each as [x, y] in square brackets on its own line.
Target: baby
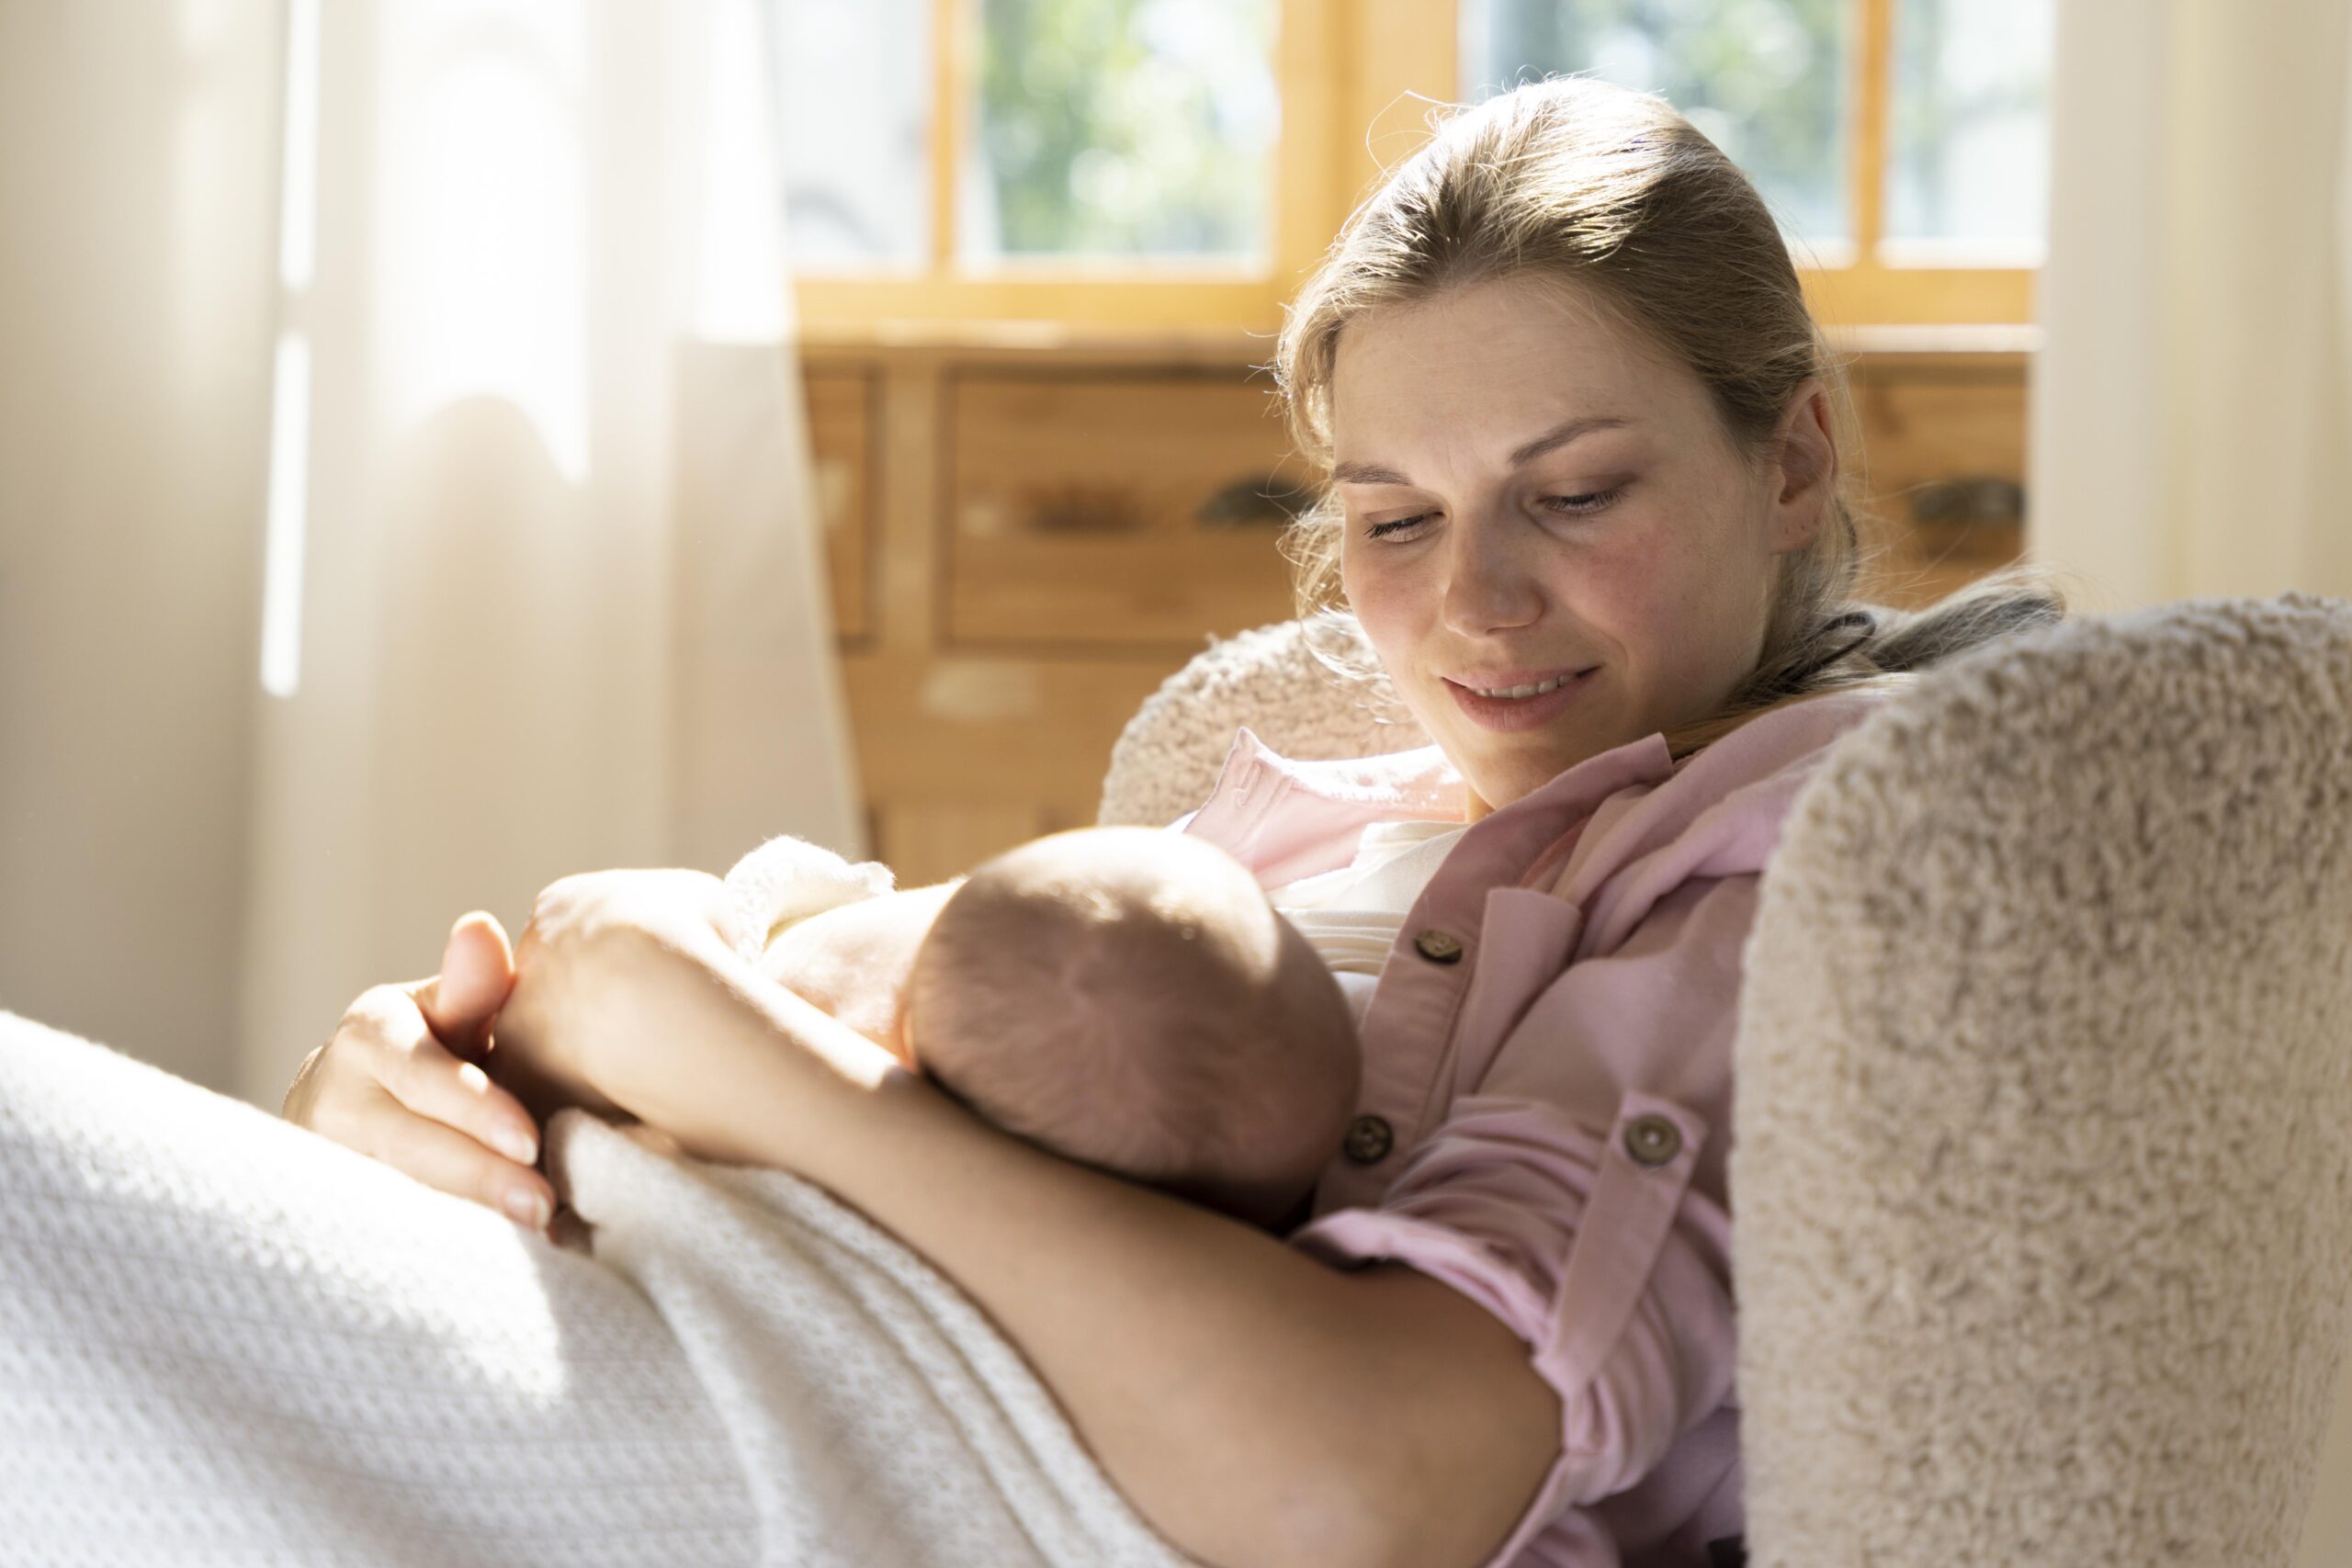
[1126, 998]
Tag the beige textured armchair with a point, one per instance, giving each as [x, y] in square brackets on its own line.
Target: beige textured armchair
[2042, 1148]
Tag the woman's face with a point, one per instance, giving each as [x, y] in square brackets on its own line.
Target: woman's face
[1532, 494]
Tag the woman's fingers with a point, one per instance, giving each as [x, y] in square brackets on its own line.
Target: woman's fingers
[385, 1087]
[477, 975]
[428, 1080]
[452, 1162]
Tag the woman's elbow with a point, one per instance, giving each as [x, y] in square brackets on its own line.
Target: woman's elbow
[1415, 1433]
[1374, 1514]
[1474, 1430]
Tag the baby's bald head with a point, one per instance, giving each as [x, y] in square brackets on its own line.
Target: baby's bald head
[1127, 998]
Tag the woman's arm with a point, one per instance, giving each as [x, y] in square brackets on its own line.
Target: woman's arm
[1256, 1406]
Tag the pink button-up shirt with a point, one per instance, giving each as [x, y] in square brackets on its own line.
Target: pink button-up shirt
[1600, 922]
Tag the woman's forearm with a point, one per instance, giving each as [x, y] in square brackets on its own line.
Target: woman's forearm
[1255, 1404]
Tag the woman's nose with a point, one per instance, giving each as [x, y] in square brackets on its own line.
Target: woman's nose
[1488, 585]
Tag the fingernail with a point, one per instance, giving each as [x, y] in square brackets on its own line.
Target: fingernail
[528, 1208]
[518, 1146]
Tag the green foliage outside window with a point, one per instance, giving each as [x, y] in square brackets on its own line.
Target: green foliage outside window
[1124, 128]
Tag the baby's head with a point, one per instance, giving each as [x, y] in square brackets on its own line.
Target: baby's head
[1126, 998]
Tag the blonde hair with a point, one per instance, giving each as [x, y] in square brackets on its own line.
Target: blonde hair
[1612, 192]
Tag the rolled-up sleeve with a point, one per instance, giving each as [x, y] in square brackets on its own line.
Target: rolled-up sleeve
[1559, 1197]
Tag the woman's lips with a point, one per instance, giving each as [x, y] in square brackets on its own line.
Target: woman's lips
[1506, 714]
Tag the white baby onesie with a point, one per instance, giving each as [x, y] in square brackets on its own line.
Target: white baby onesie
[786, 880]
[1351, 916]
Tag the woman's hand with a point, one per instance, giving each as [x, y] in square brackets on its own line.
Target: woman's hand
[399, 1082]
[608, 974]
[631, 1000]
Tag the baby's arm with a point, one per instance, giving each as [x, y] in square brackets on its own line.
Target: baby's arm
[853, 960]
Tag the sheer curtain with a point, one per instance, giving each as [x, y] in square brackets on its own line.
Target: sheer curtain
[2192, 401]
[2192, 425]
[543, 589]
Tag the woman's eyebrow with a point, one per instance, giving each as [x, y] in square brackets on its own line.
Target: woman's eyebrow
[1355, 473]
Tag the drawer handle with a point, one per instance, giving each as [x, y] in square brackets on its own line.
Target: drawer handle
[1259, 500]
[1977, 501]
[1082, 509]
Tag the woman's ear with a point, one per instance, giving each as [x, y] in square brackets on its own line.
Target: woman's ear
[1804, 476]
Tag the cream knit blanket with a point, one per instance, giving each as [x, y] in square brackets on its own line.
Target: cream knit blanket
[224, 1340]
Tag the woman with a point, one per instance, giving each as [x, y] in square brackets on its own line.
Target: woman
[1587, 504]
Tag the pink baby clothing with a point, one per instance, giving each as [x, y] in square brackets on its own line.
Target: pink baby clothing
[1545, 1112]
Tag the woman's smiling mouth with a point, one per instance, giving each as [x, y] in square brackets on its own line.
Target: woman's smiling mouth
[1517, 699]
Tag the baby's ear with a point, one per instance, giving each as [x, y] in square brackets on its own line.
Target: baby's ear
[901, 1040]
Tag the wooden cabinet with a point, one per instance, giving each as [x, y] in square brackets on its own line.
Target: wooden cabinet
[842, 402]
[1943, 458]
[1025, 540]
[1113, 507]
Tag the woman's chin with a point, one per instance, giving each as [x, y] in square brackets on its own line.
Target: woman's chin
[1500, 769]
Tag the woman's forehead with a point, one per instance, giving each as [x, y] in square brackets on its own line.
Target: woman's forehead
[1500, 319]
[1506, 364]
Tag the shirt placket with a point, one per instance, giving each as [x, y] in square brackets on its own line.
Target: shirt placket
[1409, 1031]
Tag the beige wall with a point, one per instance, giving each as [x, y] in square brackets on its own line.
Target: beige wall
[136, 176]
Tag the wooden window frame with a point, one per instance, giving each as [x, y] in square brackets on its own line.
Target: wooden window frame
[1357, 80]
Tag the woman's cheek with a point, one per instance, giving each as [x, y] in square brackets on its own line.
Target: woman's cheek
[1382, 601]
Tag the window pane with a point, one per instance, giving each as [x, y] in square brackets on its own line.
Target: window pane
[853, 94]
[1764, 80]
[1968, 161]
[1121, 128]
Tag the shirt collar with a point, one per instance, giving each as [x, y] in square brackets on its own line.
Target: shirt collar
[1421, 784]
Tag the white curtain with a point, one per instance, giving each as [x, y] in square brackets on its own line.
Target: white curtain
[543, 592]
[2192, 401]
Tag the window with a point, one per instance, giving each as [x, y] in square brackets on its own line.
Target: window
[1764, 80]
[1968, 145]
[854, 86]
[1181, 164]
[1120, 129]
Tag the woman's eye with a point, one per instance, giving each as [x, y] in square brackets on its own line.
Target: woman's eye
[1569, 505]
[1582, 505]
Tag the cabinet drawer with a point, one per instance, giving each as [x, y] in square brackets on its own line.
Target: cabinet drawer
[841, 441]
[1945, 451]
[1109, 508]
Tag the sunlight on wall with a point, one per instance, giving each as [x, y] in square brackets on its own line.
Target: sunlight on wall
[290, 484]
[299, 223]
[290, 414]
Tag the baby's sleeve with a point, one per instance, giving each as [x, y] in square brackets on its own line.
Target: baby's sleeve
[1570, 1214]
[788, 879]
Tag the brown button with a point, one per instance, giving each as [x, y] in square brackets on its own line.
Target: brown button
[1369, 1140]
[1653, 1140]
[1438, 947]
